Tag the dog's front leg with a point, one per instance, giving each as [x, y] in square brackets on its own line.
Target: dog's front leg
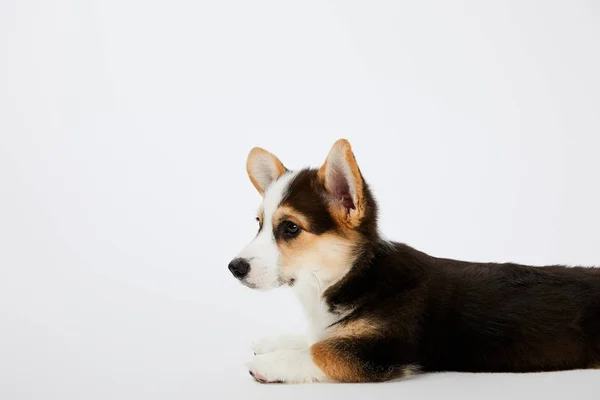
[283, 342]
[346, 359]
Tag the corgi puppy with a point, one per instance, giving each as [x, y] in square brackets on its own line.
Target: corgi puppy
[380, 310]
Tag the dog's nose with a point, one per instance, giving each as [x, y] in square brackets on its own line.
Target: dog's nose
[239, 267]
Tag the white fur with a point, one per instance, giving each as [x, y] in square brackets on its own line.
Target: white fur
[283, 342]
[262, 166]
[262, 253]
[309, 290]
[290, 366]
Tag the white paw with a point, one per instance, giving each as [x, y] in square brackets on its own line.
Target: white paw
[283, 342]
[285, 366]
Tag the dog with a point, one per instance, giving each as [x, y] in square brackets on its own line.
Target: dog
[379, 310]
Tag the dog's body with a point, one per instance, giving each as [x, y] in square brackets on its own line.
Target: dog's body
[379, 310]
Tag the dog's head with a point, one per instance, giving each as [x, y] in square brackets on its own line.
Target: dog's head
[313, 223]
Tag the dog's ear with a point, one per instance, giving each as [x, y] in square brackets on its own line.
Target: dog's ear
[344, 184]
[263, 168]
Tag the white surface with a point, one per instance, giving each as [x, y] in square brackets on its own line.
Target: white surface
[124, 130]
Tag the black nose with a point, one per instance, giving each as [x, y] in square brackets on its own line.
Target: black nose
[239, 267]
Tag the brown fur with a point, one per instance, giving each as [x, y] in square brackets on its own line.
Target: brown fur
[335, 364]
[334, 356]
[329, 250]
[288, 213]
[333, 251]
[359, 328]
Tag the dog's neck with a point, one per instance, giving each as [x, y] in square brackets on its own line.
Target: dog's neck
[313, 285]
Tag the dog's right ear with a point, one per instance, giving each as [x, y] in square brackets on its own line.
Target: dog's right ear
[263, 168]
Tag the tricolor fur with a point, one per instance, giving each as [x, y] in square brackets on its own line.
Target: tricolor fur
[379, 310]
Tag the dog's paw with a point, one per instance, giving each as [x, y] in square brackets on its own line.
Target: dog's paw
[261, 379]
[285, 366]
[283, 342]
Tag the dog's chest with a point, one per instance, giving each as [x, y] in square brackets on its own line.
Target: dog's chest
[316, 311]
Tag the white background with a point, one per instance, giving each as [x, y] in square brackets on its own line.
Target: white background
[124, 128]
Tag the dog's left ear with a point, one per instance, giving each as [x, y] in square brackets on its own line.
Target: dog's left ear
[263, 168]
[344, 184]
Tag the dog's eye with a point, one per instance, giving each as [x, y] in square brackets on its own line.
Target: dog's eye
[290, 229]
